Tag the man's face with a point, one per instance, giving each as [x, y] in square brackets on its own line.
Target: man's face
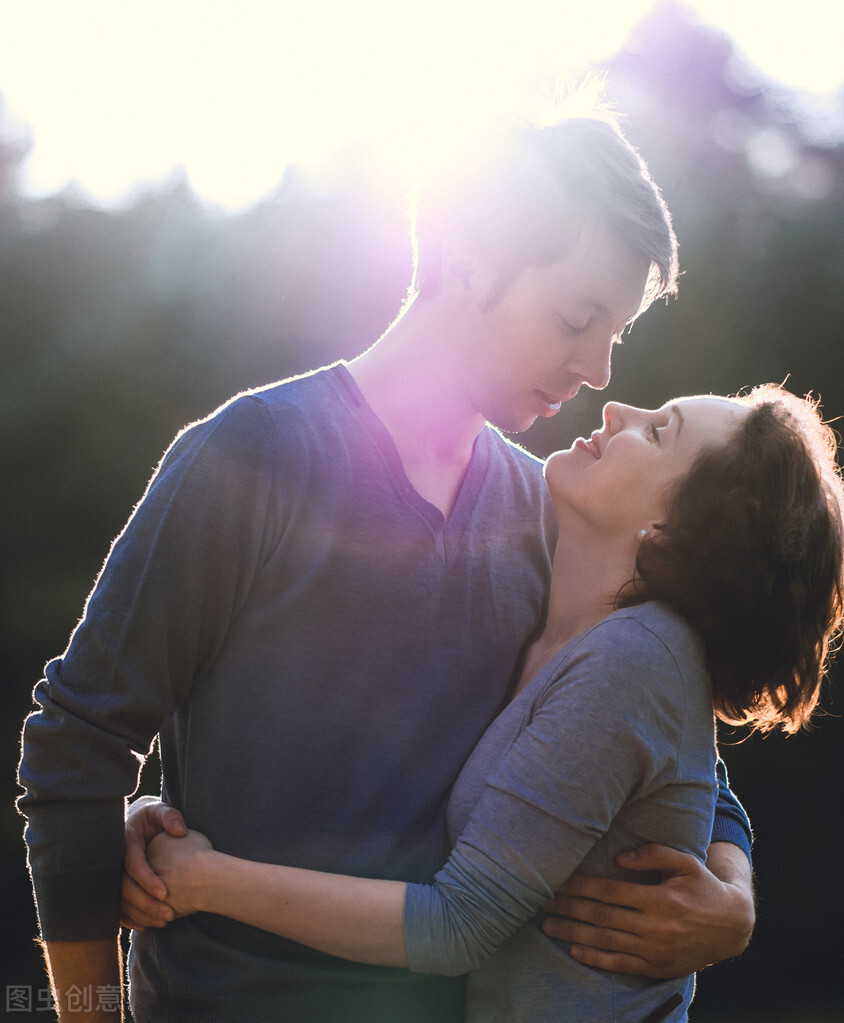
[553, 330]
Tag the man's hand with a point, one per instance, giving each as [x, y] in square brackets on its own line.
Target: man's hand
[697, 916]
[142, 890]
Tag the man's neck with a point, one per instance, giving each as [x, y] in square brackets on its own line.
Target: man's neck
[412, 382]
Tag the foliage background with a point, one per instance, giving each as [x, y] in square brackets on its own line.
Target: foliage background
[118, 327]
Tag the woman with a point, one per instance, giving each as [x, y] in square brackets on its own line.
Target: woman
[699, 566]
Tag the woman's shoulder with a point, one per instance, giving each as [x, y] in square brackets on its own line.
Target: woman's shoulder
[645, 641]
[654, 619]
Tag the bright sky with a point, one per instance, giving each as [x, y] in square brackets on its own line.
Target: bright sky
[115, 91]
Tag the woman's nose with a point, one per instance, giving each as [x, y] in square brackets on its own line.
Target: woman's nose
[617, 415]
[614, 414]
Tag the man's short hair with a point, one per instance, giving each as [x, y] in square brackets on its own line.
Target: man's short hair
[525, 192]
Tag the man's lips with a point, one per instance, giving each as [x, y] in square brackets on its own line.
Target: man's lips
[553, 403]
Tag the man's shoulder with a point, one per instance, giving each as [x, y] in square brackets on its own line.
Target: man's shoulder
[258, 426]
[295, 399]
[303, 387]
[314, 391]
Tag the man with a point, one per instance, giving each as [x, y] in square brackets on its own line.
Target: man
[320, 601]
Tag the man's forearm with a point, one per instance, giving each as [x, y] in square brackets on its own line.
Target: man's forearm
[731, 866]
[86, 979]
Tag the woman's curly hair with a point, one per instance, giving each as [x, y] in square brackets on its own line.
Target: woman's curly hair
[750, 553]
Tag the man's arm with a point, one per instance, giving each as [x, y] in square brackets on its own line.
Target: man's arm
[131, 664]
[697, 916]
[80, 973]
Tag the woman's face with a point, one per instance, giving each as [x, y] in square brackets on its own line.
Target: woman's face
[617, 479]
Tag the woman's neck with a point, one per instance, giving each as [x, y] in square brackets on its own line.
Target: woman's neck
[585, 580]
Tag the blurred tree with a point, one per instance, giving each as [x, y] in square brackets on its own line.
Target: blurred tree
[15, 144]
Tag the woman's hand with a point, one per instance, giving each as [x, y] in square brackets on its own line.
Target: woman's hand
[143, 892]
[179, 863]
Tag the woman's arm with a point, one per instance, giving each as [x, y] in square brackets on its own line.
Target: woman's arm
[350, 917]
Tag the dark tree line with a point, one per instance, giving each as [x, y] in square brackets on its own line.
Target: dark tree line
[118, 327]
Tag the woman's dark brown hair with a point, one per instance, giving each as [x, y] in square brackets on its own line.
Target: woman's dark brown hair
[750, 553]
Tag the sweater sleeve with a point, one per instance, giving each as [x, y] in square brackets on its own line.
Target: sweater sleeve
[607, 732]
[158, 614]
[731, 823]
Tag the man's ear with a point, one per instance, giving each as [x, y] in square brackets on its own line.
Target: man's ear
[464, 275]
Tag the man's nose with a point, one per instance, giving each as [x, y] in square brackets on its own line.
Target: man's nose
[596, 363]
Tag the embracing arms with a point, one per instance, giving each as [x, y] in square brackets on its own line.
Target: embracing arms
[488, 870]
[362, 919]
[698, 915]
[350, 917]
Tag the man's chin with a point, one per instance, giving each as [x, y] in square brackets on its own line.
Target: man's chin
[509, 424]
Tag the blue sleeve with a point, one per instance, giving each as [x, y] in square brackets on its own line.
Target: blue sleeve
[731, 822]
[158, 613]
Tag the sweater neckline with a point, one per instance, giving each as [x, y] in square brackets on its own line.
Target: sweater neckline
[473, 479]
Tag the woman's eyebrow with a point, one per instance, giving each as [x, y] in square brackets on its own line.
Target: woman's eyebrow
[674, 410]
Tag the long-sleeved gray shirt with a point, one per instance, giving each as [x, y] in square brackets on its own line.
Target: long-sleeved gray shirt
[610, 747]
